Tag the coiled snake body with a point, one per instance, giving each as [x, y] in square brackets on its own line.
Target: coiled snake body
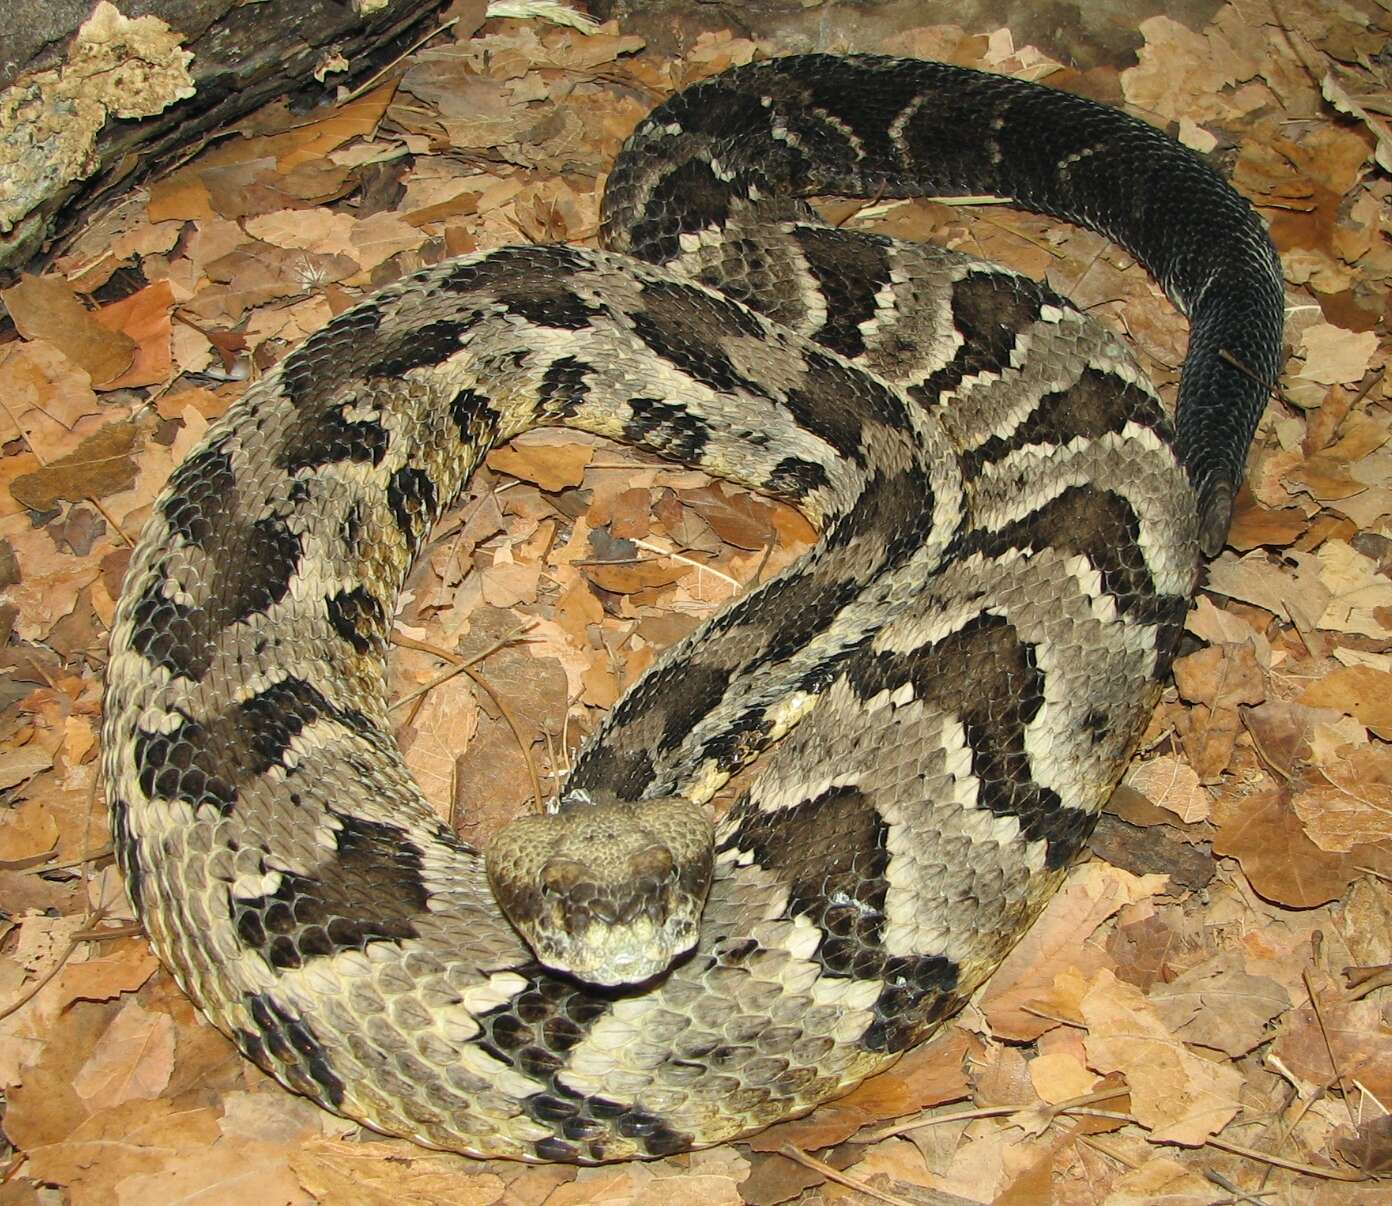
[951, 680]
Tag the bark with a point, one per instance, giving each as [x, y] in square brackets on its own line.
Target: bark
[94, 100]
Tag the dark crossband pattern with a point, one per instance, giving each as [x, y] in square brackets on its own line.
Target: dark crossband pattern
[941, 693]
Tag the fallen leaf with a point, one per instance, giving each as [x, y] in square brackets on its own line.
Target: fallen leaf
[1254, 579]
[1221, 676]
[121, 970]
[1355, 1034]
[1060, 1076]
[1178, 1096]
[627, 578]
[144, 318]
[226, 1172]
[132, 1060]
[27, 834]
[1263, 832]
[1161, 1179]
[1369, 1148]
[1334, 355]
[45, 307]
[102, 464]
[553, 467]
[1172, 784]
[1357, 691]
[1059, 941]
[1351, 803]
[1218, 1005]
[737, 519]
[381, 1173]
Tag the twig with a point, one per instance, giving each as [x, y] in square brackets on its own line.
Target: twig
[1238, 1194]
[39, 985]
[833, 1174]
[111, 520]
[1063, 1107]
[371, 81]
[483, 684]
[457, 669]
[1077, 1108]
[45, 868]
[1054, 1017]
[1328, 1046]
[648, 546]
[1363, 981]
[1310, 1170]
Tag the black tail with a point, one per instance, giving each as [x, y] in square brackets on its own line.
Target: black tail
[872, 126]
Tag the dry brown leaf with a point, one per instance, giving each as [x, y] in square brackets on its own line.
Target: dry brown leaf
[135, 1138]
[553, 467]
[774, 1178]
[1178, 1096]
[1350, 804]
[632, 578]
[1060, 941]
[1218, 1005]
[1060, 1076]
[356, 119]
[227, 1172]
[1263, 832]
[507, 584]
[1283, 731]
[1358, 691]
[102, 464]
[27, 834]
[1370, 1147]
[1173, 785]
[1255, 525]
[389, 1174]
[1182, 73]
[442, 725]
[736, 518]
[1356, 1033]
[45, 307]
[259, 273]
[1221, 676]
[1160, 1179]
[1334, 355]
[124, 969]
[24, 763]
[132, 1060]
[1255, 579]
[1360, 594]
[143, 317]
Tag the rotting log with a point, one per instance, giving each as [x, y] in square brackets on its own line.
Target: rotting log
[92, 102]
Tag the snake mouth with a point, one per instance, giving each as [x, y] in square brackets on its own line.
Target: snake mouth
[619, 956]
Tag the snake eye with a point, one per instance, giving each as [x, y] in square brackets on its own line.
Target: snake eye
[559, 876]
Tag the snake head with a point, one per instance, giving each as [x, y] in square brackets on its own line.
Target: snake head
[606, 890]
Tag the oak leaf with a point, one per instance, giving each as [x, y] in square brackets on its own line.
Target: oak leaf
[1178, 1096]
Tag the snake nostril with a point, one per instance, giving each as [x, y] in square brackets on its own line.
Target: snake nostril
[561, 876]
[653, 863]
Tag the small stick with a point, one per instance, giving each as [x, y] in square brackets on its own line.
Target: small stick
[832, 1174]
[483, 684]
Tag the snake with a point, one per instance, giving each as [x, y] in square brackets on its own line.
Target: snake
[932, 703]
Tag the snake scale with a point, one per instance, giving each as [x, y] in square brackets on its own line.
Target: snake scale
[944, 689]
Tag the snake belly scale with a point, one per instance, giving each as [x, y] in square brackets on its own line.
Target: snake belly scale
[942, 692]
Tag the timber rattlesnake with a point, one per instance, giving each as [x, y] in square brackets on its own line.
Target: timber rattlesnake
[1011, 532]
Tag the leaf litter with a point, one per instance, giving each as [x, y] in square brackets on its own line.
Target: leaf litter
[1206, 1016]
